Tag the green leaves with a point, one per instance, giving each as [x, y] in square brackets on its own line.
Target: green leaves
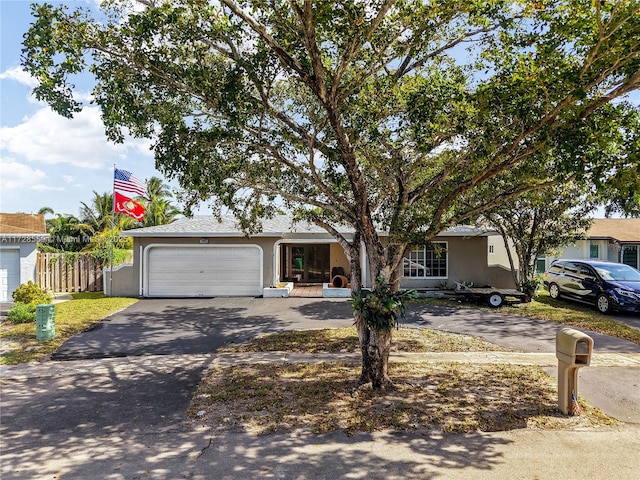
[53, 50]
[406, 116]
[381, 308]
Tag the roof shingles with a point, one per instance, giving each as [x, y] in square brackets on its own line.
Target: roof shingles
[625, 230]
[208, 225]
[22, 224]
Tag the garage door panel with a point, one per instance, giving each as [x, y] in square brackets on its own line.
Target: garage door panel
[9, 273]
[204, 271]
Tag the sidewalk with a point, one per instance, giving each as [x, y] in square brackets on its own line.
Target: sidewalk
[103, 366]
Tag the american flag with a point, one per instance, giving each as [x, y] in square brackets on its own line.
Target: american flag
[576, 409]
[125, 182]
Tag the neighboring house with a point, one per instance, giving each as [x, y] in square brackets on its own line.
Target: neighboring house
[19, 235]
[612, 239]
[201, 257]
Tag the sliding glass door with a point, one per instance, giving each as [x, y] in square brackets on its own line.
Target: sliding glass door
[305, 263]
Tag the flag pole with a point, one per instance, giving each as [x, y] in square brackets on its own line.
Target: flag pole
[113, 216]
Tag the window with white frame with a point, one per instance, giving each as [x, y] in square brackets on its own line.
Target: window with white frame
[428, 261]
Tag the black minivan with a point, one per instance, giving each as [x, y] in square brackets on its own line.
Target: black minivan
[606, 285]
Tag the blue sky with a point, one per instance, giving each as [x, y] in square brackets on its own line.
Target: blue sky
[45, 159]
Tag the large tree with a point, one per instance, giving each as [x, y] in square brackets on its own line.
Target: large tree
[539, 223]
[369, 114]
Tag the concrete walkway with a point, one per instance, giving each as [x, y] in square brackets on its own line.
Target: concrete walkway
[104, 366]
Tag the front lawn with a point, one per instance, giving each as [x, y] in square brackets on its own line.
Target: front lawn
[19, 344]
[444, 396]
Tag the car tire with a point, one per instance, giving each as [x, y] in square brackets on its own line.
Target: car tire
[603, 303]
[495, 300]
[554, 291]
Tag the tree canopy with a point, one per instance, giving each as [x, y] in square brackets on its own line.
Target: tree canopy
[369, 114]
[402, 116]
[541, 223]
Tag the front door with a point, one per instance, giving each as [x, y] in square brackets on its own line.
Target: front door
[306, 263]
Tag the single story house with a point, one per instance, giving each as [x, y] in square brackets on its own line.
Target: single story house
[204, 257]
[19, 236]
[611, 239]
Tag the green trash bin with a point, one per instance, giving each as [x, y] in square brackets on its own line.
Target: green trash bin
[45, 322]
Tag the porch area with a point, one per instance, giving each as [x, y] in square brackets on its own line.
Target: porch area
[319, 290]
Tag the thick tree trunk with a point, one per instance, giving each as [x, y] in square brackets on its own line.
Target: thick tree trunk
[375, 348]
[375, 345]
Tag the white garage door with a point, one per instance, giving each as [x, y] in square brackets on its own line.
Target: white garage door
[203, 271]
[9, 273]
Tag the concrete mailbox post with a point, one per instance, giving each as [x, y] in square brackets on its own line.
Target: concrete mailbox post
[573, 351]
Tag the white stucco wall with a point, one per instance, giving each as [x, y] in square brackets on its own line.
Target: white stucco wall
[28, 253]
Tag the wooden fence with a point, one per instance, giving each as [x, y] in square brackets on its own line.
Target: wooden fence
[57, 273]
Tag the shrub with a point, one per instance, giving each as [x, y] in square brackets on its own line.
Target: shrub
[531, 286]
[381, 308]
[22, 313]
[31, 293]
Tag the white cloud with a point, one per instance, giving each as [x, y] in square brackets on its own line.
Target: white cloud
[14, 175]
[47, 138]
[46, 188]
[19, 75]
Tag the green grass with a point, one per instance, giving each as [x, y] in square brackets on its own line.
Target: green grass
[580, 316]
[71, 317]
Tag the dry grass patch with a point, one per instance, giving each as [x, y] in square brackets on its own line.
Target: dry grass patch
[435, 396]
[345, 340]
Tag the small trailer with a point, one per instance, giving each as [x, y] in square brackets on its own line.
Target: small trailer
[494, 297]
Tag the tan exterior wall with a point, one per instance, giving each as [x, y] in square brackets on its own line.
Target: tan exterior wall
[467, 262]
[499, 276]
[338, 258]
[497, 253]
[122, 283]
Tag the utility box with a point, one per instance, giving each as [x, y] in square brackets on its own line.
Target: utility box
[573, 351]
[45, 322]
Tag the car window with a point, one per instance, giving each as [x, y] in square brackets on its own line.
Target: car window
[571, 268]
[619, 272]
[586, 272]
[556, 268]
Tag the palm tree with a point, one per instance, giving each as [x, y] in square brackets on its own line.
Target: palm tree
[46, 211]
[98, 214]
[159, 209]
[66, 233]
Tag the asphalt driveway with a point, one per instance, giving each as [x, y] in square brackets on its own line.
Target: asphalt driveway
[183, 327]
[201, 326]
[196, 326]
